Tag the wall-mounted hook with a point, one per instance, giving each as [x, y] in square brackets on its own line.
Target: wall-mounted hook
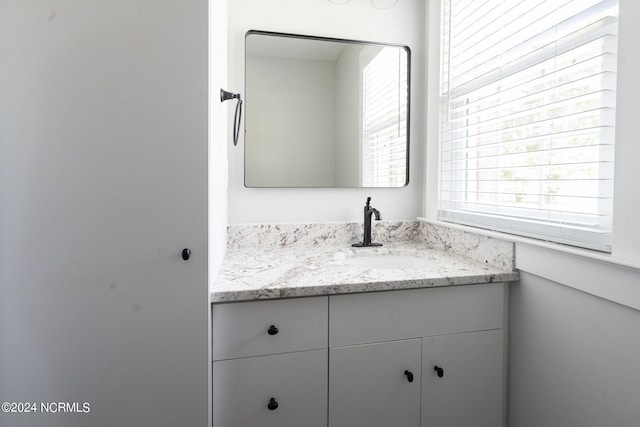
[226, 95]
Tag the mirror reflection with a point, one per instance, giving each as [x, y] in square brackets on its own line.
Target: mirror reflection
[325, 112]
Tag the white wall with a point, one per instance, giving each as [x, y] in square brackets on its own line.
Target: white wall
[218, 164]
[573, 358]
[103, 181]
[349, 118]
[302, 151]
[573, 346]
[218, 134]
[354, 20]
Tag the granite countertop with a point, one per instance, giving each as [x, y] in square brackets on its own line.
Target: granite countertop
[283, 272]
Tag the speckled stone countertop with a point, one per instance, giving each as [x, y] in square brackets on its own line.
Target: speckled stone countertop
[283, 261]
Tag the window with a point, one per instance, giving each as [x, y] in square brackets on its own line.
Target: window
[385, 86]
[527, 117]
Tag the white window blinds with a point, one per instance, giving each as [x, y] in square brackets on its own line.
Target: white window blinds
[527, 117]
[385, 86]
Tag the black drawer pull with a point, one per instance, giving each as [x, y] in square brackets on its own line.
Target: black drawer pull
[186, 254]
[272, 330]
[273, 404]
[409, 375]
[439, 371]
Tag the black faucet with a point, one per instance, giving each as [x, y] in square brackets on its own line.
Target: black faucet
[368, 211]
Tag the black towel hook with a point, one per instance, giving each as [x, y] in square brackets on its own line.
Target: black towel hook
[226, 95]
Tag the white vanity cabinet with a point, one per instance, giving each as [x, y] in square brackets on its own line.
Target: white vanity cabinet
[431, 357]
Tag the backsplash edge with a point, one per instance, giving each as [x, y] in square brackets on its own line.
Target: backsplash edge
[482, 248]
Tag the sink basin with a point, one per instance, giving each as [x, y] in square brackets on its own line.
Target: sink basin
[397, 262]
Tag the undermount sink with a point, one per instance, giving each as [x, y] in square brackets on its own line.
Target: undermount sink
[397, 262]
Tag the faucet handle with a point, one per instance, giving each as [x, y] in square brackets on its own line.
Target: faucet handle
[368, 200]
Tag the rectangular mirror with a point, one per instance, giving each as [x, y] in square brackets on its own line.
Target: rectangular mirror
[323, 112]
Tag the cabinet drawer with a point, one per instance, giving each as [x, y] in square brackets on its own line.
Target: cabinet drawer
[395, 315]
[243, 389]
[255, 328]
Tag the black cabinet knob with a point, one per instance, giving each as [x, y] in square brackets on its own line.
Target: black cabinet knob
[273, 404]
[272, 330]
[409, 375]
[439, 371]
[186, 254]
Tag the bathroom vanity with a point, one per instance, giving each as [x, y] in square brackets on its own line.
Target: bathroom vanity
[311, 338]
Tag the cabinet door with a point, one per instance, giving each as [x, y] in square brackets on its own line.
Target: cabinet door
[297, 383]
[462, 379]
[375, 385]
